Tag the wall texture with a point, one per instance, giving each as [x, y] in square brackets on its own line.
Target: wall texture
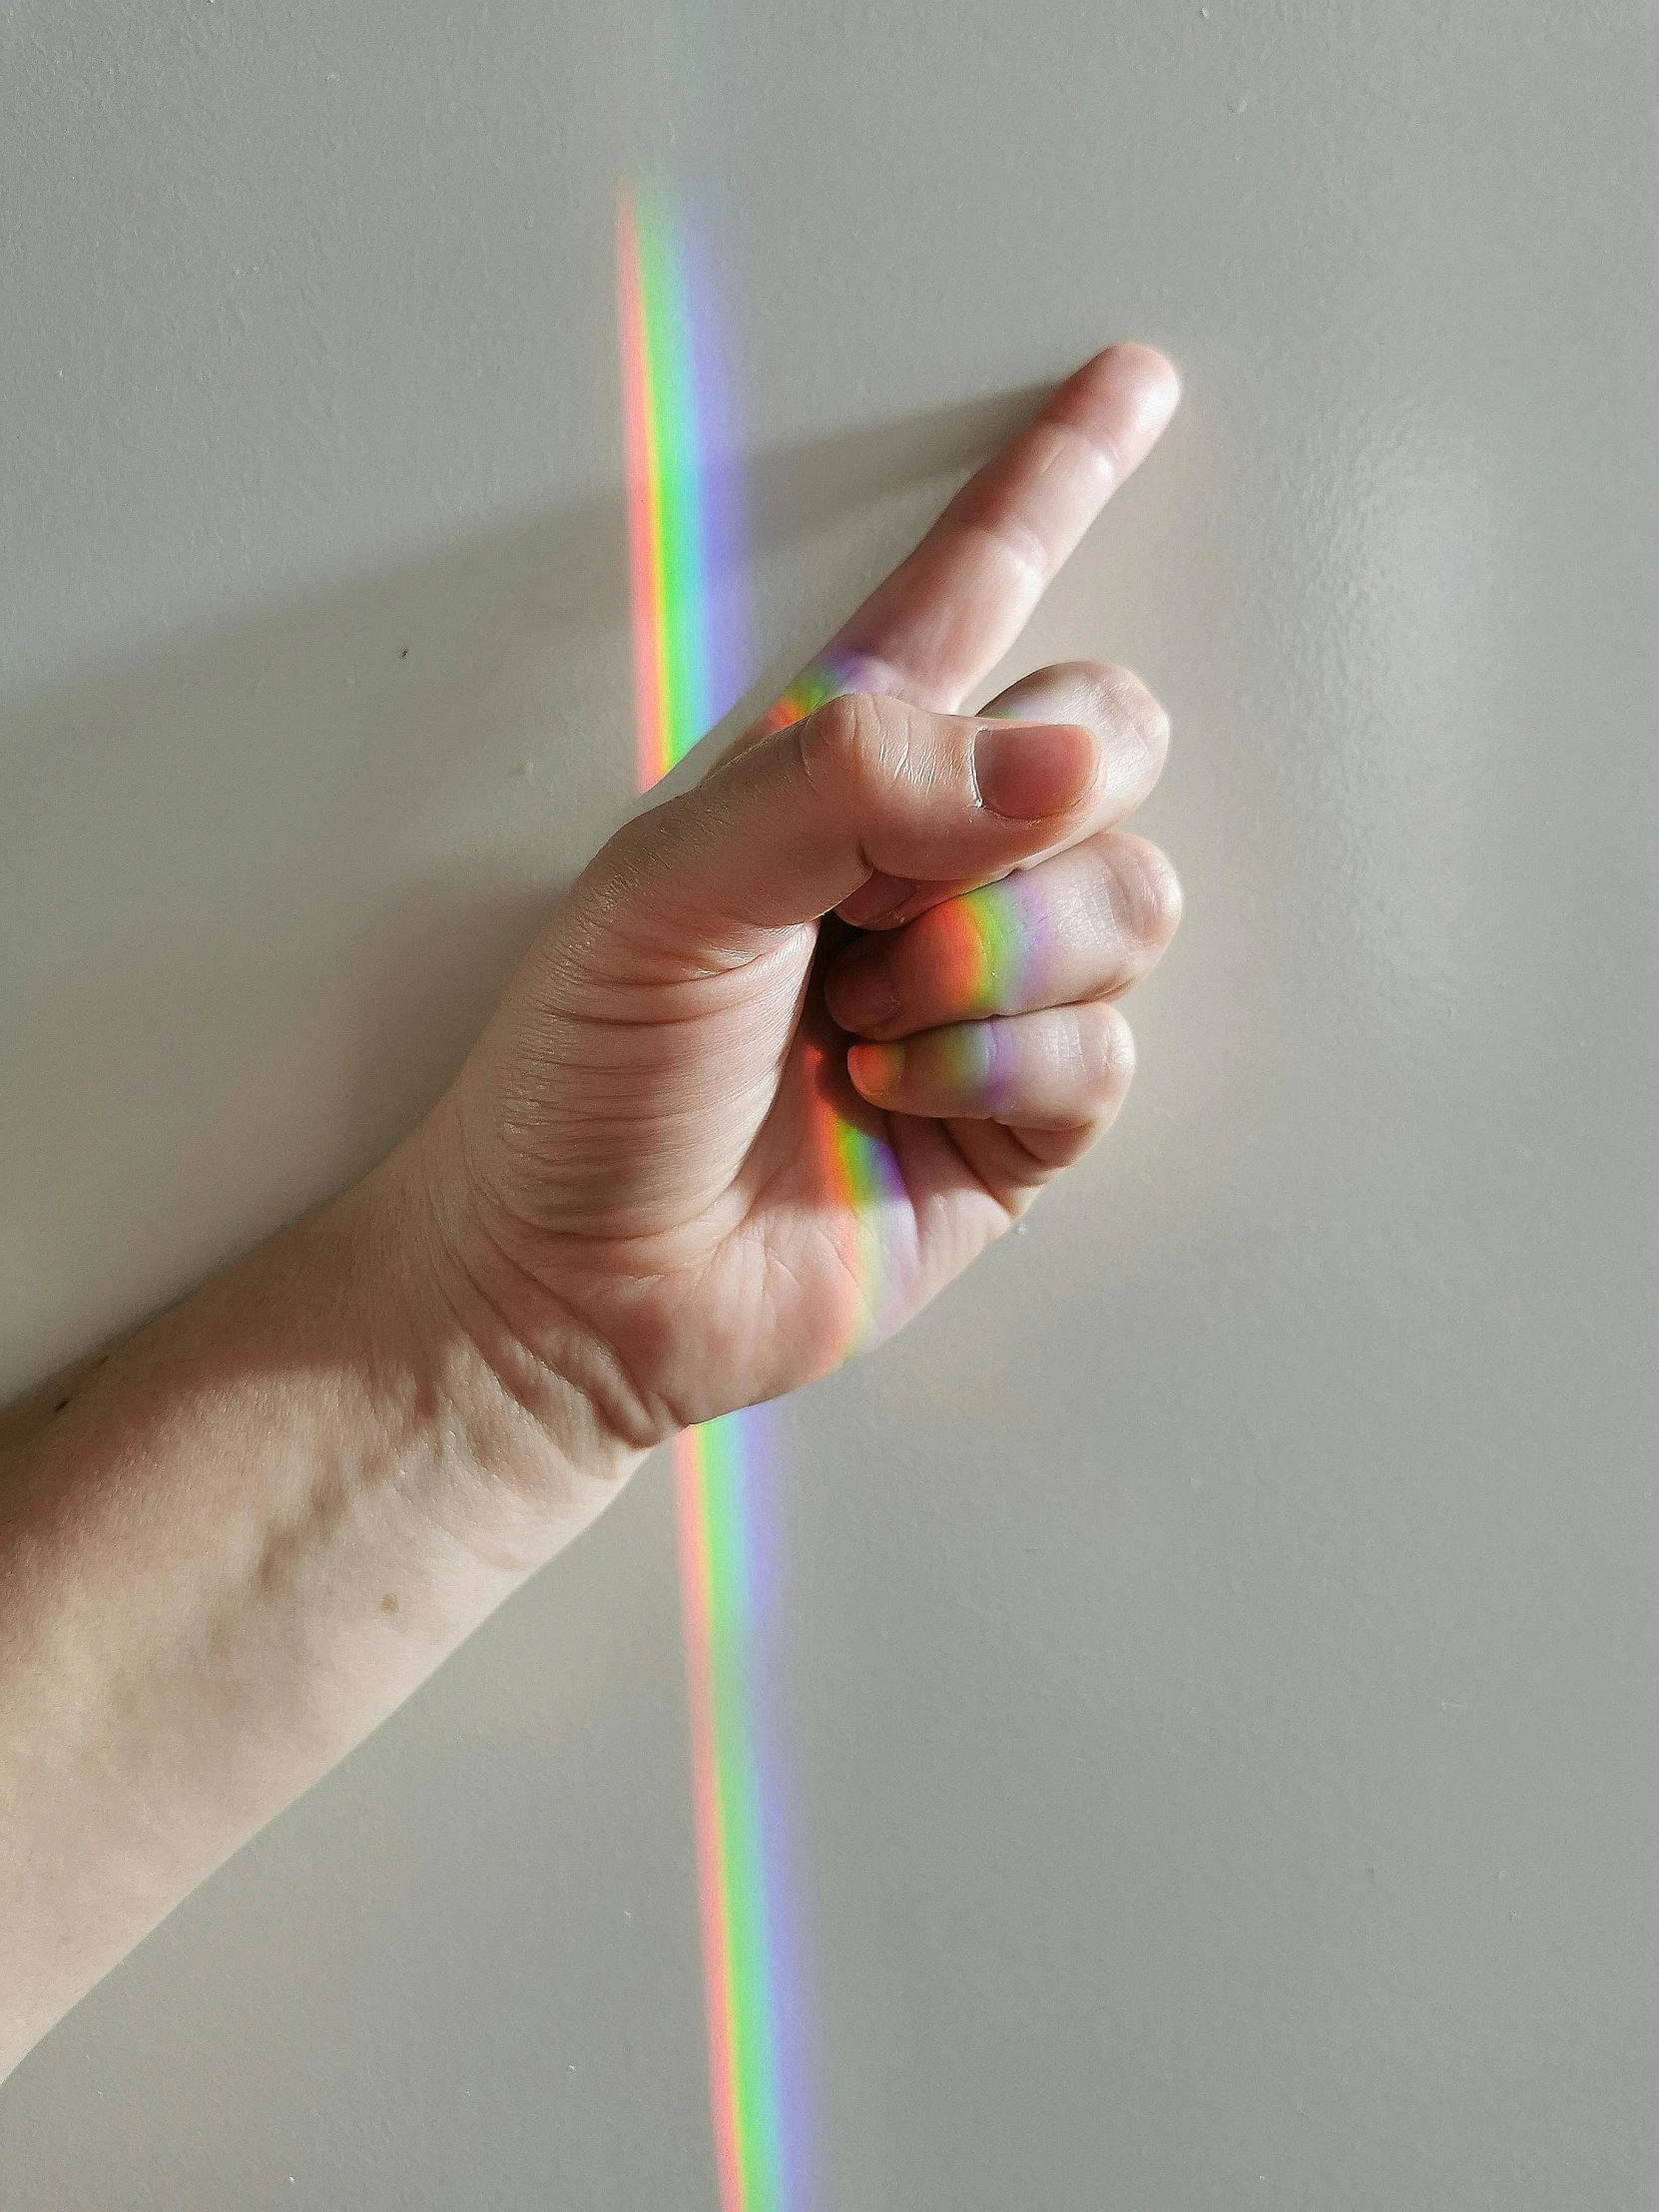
[1216, 1647]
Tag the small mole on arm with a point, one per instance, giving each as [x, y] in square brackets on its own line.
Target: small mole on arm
[62, 1402]
[389, 1604]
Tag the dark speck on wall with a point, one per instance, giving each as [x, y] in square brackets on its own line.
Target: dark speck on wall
[389, 1604]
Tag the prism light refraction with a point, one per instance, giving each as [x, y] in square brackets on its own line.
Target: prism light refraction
[717, 1468]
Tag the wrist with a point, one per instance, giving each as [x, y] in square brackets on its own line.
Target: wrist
[540, 1403]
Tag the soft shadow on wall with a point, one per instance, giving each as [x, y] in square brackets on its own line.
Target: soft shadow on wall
[261, 890]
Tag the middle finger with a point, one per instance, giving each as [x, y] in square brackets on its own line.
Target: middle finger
[1134, 733]
[1086, 925]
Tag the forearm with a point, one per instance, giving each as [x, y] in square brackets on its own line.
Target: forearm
[229, 1548]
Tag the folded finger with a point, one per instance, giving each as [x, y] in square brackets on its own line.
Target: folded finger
[1065, 1068]
[1088, 923]
[1134, 733]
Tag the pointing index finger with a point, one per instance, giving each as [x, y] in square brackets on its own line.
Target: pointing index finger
[952, 608]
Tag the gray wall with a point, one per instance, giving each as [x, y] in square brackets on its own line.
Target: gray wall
[1214, 1652]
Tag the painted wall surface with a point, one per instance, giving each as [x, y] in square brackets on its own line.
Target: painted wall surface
[1213, 1654]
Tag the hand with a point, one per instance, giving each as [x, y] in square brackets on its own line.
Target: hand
[664, 1172]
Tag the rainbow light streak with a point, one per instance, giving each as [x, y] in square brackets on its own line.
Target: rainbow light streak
[989, 947]
[835, 670]
[717, 1468]
[716, 1479]
[680, 527]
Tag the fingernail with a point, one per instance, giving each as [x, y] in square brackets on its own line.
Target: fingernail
[860, 990]
[1025, 771]
[876, 1068]
[875, 901]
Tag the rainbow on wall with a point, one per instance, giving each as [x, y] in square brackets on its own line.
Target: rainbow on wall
[717, 1468]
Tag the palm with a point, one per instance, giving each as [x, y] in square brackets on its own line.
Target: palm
[739, 1220]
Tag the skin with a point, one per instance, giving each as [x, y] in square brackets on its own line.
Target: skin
[234, 1543]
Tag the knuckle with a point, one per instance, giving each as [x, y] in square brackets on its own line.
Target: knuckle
[1093, 683]
[1134, 895]
[745, 741]
[629, 855]
[1154, 890]
[1108, 1051]
[1130, 704]
[854, 745]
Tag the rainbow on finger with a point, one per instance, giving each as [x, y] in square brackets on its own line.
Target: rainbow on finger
[837, 670]
[986, 947]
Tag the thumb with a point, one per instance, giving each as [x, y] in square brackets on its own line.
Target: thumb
[788, 829]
